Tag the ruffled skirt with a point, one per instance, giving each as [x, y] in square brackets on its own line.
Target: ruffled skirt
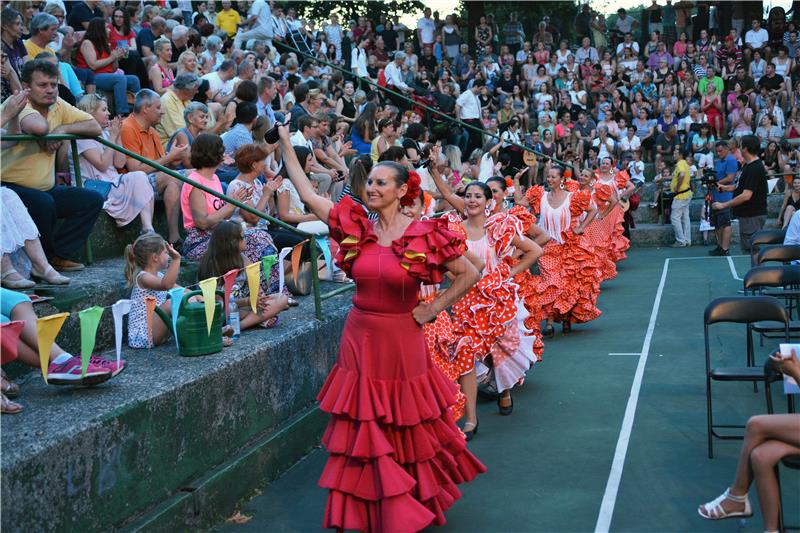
[395, 454]
[618, 243]
[440, 338]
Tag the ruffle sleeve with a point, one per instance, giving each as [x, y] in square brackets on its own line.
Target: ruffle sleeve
[534, 197]
[622, 178]
[425, 248]
[352, 229]
[578, 203]
[501, 229]
[602, 193]
[454, 224]
[525, 217]
[572, 186]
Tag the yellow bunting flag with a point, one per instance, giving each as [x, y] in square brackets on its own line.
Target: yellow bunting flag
[253, 272]
[47, 329]
[150, 307]
[209, 288]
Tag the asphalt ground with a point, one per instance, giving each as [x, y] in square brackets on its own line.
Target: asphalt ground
[609, 430]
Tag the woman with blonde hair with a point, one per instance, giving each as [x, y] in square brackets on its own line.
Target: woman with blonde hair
[187, 63]
[160, 74]
[131, 194]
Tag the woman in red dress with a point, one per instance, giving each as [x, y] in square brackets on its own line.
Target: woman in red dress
[569, 272]
[612, 216]
[596, 231]
[396, 455]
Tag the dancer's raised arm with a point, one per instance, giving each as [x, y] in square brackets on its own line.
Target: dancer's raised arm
[318, 205]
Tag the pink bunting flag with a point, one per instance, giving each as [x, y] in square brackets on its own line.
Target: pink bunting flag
[150, 305]
[9, 340]
[228, 279]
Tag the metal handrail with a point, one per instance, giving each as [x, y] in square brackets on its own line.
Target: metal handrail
[311, 237]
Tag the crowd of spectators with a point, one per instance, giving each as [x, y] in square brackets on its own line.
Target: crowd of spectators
[154, 77]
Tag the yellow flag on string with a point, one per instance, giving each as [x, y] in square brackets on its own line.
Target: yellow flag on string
[47, 329]
[209, 288]
[253, 272]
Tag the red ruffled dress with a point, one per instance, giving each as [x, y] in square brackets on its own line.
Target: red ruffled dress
[526, 287]
[396, 455]
[612, 224]
[598, 232]
[569, 275]
[487, 316]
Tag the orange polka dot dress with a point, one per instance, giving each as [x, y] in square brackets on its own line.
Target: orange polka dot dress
[618, 244]
[599, 232]
[569, 275]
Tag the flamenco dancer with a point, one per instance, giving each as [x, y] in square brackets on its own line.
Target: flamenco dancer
[612, 215]
[569, 272]
[395, 453]
[596, 231]
[440, 335]
[487, 317]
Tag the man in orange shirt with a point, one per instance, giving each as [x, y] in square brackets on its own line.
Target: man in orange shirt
[139, 136]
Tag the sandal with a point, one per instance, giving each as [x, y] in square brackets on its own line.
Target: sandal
[8, 387]
[15, 284]
[7, 407]
[505, 410]
[713, 510]
[471, 432]
[50, 276]
[548, 332]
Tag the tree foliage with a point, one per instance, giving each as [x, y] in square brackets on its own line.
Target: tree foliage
[350, 10]
[562, 14]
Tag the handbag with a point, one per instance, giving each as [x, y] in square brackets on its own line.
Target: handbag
[100, 186]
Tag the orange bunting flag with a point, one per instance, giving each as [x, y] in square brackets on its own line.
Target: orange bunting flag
[253, 272]
[47, 329]
[209, 289]
[228, 278]
[9, 340]
[150, 306]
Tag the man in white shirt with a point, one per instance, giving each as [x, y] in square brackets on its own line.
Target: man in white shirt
[587, 51]
[756, 38]
[630, 142]
[394, 74]
[220, 83]
[279, 27]
[307, 129]
[259, 22]
[426, 29]
[627, 42]
[468, 109]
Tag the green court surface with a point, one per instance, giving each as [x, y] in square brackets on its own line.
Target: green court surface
[608, 432]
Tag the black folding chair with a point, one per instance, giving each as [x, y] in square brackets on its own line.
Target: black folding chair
[780, 281]
[764, 237]
[778, 253]
[739, 310]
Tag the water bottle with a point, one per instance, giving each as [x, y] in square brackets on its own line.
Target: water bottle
[233, 317]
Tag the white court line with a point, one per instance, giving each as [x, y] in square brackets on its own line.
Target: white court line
[733, 269]
[624, 353]
[614, 477]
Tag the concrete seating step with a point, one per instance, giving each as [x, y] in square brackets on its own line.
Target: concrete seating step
[173, 443]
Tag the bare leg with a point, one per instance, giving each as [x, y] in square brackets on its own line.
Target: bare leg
[763, 459]
[146, 215]
[6, 266]
[170, 191]
[28, 350]
[33, 248]
[469, 386]
[787, 215]
[160, 330]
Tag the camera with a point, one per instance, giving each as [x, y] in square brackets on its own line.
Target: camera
[709, 178]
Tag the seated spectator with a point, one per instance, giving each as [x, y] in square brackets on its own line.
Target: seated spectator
[139, 136]
[148, 35]
[121, 35]
[30, 172]
[14, 52]
[290, 208]
[768, 132]
[160, 74]
[188, 64]
[224, 253]
[173, 105]
[741, 118]
[202, 212]
[131, 194]
[221, 82]
[44, 27]
[666, 143]
[21, 244]
[767, 439]
[196, 117]
[95, 53]
[240, 135]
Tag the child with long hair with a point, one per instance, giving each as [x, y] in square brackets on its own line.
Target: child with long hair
[145, 262]
[224, 254]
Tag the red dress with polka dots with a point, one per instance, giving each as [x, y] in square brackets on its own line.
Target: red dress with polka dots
[396, 456]
[598, 233]
[569, 276]
[618, 244]
[487, 315]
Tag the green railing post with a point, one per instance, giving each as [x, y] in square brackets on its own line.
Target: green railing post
[76, 164]
[312, 248]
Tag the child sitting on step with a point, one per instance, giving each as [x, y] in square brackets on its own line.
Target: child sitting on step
[224, 254]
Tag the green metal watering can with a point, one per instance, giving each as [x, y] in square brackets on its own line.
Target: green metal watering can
[191, 329]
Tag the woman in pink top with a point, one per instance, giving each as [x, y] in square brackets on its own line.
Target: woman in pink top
[202, 212]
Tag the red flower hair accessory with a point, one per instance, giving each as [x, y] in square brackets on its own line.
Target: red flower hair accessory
[413, 183]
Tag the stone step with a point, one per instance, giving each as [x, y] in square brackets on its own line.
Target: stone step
[109, 241]
[173, 443]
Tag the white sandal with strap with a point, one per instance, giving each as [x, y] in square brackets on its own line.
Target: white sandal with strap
[715, 511]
